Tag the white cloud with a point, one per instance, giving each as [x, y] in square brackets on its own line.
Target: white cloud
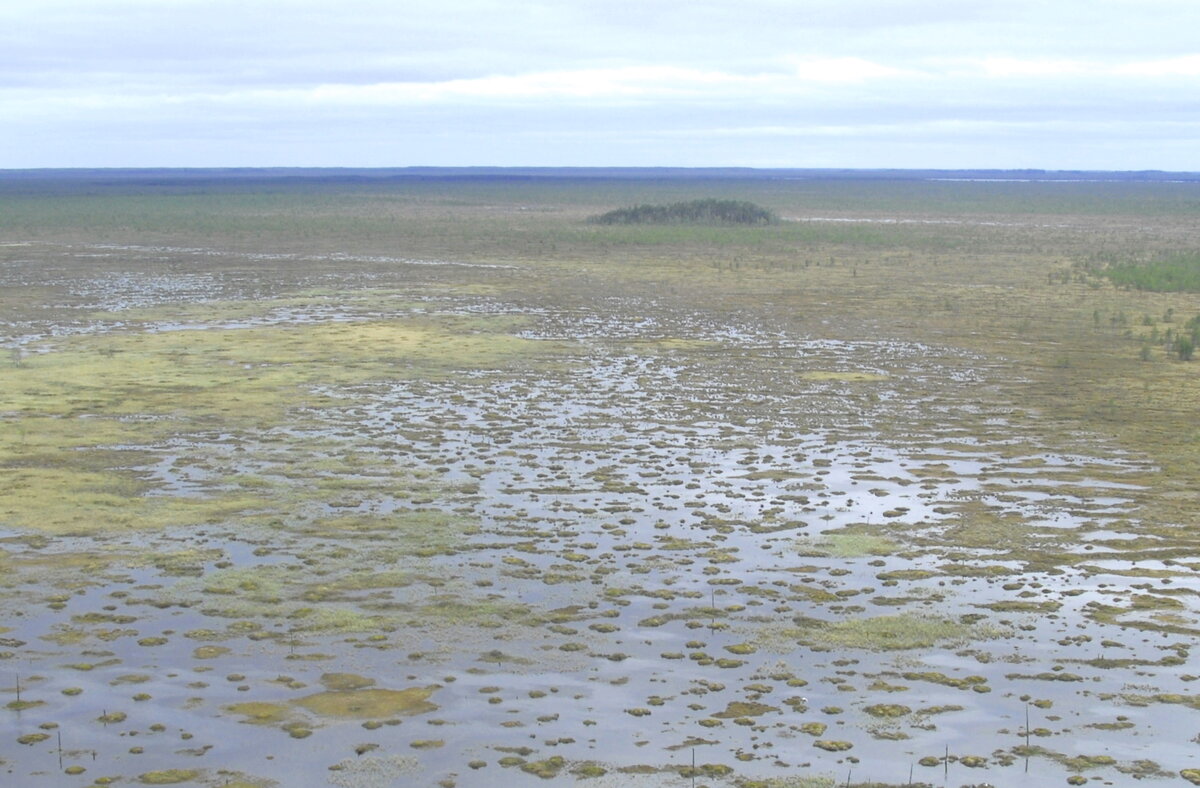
[265, 77]
[623, 82]
[1035, 67]
[842, 69]
[1186, 66]
[641, 82]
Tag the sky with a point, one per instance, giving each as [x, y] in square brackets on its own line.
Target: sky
[998, 84]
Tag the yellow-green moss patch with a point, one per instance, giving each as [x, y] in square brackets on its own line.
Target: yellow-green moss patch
[261, 713]
[370, 703]
[169, 776]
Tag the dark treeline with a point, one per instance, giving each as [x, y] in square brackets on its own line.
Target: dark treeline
[708, 211]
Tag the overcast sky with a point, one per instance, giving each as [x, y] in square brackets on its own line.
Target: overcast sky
[1054, 84]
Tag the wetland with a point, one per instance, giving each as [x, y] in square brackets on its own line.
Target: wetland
[436, 481]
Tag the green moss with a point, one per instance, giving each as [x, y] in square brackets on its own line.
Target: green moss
[906, 574]
[740, 708]
[345, 681]
[588, 770]
[1023, 606]
[847, 543]
[22, 705]
[897, 632]
[370, 703]
[335, 619]
[82, 395]
[1082, 762]
[546, 769]
[938, 677]
[261, 713]
[169, 776]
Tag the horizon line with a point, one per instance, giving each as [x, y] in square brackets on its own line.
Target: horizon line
[1009, 173]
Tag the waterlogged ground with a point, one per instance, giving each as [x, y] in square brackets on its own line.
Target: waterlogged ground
[384, 522]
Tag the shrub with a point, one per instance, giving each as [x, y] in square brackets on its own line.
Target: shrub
[1178, 273]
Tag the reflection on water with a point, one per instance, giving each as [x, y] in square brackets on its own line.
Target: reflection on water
[596, 559]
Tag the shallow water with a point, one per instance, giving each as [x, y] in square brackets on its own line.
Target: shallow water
[584, 542]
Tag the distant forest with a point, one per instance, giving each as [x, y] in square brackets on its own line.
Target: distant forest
[708, 211]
